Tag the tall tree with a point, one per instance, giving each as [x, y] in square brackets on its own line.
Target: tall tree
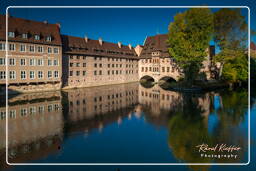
[230, 35]
[188, 38]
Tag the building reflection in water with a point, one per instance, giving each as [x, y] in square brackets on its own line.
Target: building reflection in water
[35, 126]
[40, 122]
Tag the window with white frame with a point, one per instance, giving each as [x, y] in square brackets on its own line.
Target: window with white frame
[23, 75]
[12, 114]
[23, 48]
[32, 62]
[40, 49]
[56, 74]
[2, 75]
[48, 38]
[23, 112]
[2, 61]
[56, 50]
[49, 74]
[12, 75]
[40, 74]
[32, 74]
[2, 115]
[55, 62]
[49, 62]
[49, 50]
[11, 47]
[37, 37]
[22, 62]
[2, 46]
[11, 34]
[32, 110]
[40, 109]
[11, 61]
[40, 62]
[31, 48]
[24, 35]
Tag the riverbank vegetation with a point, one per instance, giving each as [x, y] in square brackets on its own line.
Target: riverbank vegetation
[189, 37]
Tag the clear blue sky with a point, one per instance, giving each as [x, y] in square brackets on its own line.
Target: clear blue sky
[125, 25]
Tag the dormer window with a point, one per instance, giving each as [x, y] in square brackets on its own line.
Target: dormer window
[11, 34]
[48, 38]
[37, 37]
[24, 35]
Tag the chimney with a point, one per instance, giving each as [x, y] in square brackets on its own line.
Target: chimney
[130, 46]
[86, 38]
[58, 24]
[100, 41]
[119, 44]
[45, 22]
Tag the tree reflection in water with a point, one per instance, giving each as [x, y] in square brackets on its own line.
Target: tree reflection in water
[189, 116]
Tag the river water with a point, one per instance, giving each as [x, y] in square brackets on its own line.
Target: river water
[127, 123]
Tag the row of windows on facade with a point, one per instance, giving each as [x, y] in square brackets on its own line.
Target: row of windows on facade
[32, 74]
[31, 110]
[100, 65]
[146, 94]
[99, 99]
[32, 62]
[156, 60]
[11, 34]
[71, 73]
[96, 99]
[100, 58]
[29, 48]
[156, 69]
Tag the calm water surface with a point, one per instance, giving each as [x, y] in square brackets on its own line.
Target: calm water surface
[125, 124]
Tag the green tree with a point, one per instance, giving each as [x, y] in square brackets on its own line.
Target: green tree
[230, 35]
[188, 38]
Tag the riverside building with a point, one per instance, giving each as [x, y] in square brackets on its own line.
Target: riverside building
[89, 62]
[34, 55]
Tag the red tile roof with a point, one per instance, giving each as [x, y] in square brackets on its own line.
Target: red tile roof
[155, 43]
[78, 45]
[20, 26]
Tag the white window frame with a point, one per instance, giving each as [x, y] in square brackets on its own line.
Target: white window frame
[57, 62]
[12, 114]
[10, 45]
[12, 75]
[50, 74]
[34, 62]
[24, 35]
[48, 50]
[55, 49]
[49, 63]
[30, 48]
[48, 38]
[56, 73]
[40, 49]
[2, 45]
[40, 76]
[40, 62]
[37, 37]
[33, 74]
[21, 45]
[2, 75]
[23, 112]
[11, 34]
[2, 63]
[21, 64]
[22, 74]
[13, 60]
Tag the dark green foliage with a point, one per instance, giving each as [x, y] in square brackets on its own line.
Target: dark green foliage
[189, 37]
